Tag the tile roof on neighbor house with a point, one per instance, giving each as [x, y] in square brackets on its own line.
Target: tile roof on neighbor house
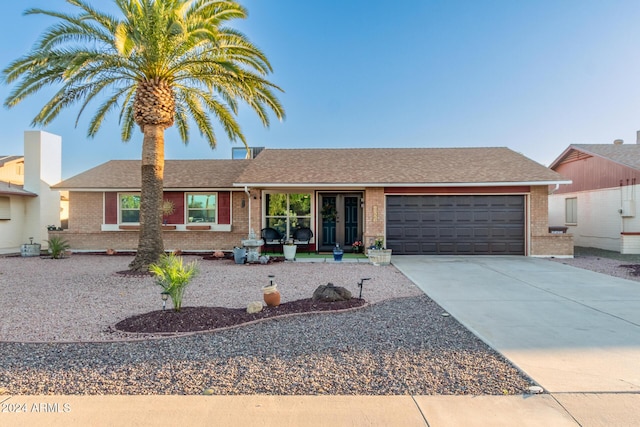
[9, 189]
[627, 155]
[395, 166]
[178, 174]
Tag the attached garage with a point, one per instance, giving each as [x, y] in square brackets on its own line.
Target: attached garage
[456, 224]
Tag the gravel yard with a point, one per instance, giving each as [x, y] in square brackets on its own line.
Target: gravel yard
[56, 335]
[601, 261]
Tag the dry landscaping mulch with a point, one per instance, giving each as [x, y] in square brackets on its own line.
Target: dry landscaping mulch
[194, 319]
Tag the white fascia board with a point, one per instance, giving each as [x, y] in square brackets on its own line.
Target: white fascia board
[408, 184]
[129, 190]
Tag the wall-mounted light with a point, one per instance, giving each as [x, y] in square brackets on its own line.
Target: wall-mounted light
[242, 203]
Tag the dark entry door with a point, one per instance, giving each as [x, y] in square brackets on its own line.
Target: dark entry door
[340, 220]
[456, 225]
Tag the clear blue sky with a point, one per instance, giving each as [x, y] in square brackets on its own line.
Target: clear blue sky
[534, 76]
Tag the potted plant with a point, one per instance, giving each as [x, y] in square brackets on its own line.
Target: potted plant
[357, 246]
[289, 249]
[377, 254]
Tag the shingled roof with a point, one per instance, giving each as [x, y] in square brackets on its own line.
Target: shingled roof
[627, 155]
[178, 174]
[331, 167]
[395, 166]
[9, 189]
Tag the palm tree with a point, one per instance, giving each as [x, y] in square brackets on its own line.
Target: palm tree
[162, 62]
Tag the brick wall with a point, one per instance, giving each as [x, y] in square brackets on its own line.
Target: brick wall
[85, 219]
[542, 242]
[85, 212]
[374, 215]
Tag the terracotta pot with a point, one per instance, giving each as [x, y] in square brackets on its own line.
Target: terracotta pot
[271, 296]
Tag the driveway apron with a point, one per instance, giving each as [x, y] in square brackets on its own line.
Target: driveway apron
[570, 329]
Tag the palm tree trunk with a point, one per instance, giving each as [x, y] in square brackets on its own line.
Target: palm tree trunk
[150, 244]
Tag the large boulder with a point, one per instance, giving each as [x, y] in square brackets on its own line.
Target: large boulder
[330, 293]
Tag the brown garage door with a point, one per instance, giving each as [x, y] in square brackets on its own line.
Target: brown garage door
[455, 225]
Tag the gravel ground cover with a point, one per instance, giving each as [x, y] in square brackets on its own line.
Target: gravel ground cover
[57, 335]
[603, 261]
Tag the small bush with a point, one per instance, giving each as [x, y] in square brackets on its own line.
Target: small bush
[57, 247]
[173, 276]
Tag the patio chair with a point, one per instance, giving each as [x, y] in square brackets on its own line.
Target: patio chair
[272, 239]
[303, 235]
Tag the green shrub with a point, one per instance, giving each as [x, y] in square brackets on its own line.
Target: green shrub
[173, 276]
[57, 247]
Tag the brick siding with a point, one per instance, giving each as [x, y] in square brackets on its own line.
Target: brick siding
[86, 216]
[544, 243]
[85, 219]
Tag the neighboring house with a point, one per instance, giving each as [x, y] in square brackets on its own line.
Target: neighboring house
[600, 207]
[27, 203]
[420, 200]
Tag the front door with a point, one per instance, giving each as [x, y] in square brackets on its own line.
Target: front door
[340, 220]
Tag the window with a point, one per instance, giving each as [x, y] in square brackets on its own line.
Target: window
[201, 207]
[287, 212]
[5, 208]
[129, 208]
[571, 210]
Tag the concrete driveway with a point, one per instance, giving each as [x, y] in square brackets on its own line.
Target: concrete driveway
[571, 330]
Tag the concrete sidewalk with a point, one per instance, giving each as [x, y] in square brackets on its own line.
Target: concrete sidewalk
[575, 332]
[277, 411]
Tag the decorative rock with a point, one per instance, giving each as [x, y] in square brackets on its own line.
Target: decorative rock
[208, 392]
[218, 254]
[329, 293]
[254, 307]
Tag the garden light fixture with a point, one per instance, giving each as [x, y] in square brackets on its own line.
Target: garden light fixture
[360, 285]
[165, 296]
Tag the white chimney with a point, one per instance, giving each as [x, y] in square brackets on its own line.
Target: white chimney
[618, 142]
[42, 168]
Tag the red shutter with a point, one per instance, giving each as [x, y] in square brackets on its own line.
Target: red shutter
[110, 208]
[177, 197]
[224, 207]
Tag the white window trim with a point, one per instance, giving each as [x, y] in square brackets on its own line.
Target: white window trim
[186, 207]
[178, 227]
[575, 213]
[311, 208]
[120, 222]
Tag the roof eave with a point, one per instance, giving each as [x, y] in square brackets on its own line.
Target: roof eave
[129, 189]
[17, 193]
[399, 185]
[561, 157]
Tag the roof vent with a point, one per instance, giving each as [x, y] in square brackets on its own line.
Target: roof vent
[638, 137]
[618, 142]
